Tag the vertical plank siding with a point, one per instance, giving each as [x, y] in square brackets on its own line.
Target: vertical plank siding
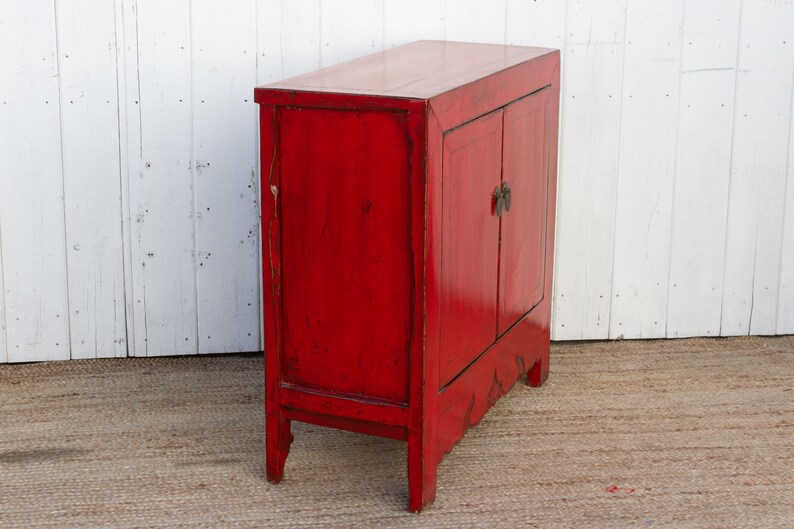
[348, 29]
[476, 21]
[785, 301]
[405, 21]
[226, 200]
[591, 112]
[702, 167]
[129, 215]
[648, 131]
[300, 36]
[91, 177]
[3, 350]
[162, 189]
[762, 120]
[128, 98]
[35, 292]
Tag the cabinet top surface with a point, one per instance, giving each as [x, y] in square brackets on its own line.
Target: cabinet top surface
[420, 70]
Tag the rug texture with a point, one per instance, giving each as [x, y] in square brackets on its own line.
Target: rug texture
[676, 433]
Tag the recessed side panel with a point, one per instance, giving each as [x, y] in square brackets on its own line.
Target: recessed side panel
[525, 180]
[469, 242]
[345, 246]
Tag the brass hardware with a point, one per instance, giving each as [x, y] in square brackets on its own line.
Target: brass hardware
[507, 193]
[499, 201]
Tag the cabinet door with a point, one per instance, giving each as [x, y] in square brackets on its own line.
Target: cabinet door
[469, 242]
[523, 235]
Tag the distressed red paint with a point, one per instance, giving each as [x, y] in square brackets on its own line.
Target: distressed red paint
[398, 303]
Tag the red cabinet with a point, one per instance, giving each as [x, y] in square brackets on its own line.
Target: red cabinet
[408, 203]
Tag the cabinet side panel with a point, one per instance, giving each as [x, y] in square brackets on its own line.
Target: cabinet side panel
[345, 243]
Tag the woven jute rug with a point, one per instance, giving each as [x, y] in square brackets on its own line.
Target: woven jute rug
[677, 433]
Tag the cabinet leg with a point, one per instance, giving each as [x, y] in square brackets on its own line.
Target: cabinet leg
[422, 471]
[539, 371]
[278, 437]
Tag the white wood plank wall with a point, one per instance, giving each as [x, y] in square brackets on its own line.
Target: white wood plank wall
[128, 162]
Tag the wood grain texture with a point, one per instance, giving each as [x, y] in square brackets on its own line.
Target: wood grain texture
[592, 61]
[128, 97]
[594, 22]
[536, 23]
[522, 236]
[405, 21]
[413, 70]
[3, 349]
[785, 314]
[646, 169]
[223, 69]
[702, 168]
[472, 163]
[343, 406]
[475, 21]
[277, 426]
[162, 190]
[31, 185]
[300, 36]
[758, 169]
[269, 41]
[288, 38]
[426, 363]
[92, 178]
[345, 232]
[591, 114]
[344, 36]
[465, 402]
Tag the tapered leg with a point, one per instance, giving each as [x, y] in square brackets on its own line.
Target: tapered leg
[278, 437]
[422, 471]
[539, 371]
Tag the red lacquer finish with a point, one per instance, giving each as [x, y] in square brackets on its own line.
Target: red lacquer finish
[523, 236]
[469, 272]
[401, 299]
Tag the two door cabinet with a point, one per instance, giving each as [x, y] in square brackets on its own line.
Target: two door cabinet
[408, 202]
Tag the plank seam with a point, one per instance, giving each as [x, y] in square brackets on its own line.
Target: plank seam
[675, 169]
[68, 314]
[319, 40]
[560, 151]
[193, 165]
[446, 17]
[785, 209]
[138, 78]
[121, 122]
[612, 303]
[382, 25]
[130, 224]
[258, 186]
[140, 161]
[504, 25]
[281, 37]
[730, 168]
[4, 349]
[755, 262]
